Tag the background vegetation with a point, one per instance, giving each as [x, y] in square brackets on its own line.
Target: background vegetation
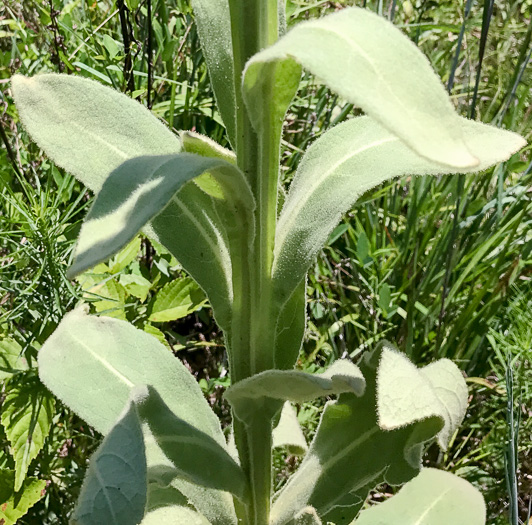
[440, 266]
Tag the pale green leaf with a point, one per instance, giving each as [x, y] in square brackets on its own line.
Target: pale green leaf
[433, 497]
[292, 385]
[288, 433]
[206, 147]
[174, 514]
[92, 363]
[138, 190]
[15, 505]
[27, 413]
[344, 163]
[87, 128]
[213, 22]
[176, 299]
[308, 516]
[115, 488]
[195, 455]
[351, 448]
[11, 359]
[370, 63]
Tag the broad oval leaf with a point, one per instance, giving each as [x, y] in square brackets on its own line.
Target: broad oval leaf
[288, 433]
[87, 128]
[370, 63]
[115, 487]
[27, 412]
[344, 163]
[433, 497]
[353, 446]
[92, 363]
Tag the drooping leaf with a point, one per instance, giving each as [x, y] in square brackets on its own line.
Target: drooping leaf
[115, 487]
[344, 163]
[92, 363]
[87, 128]
[351, 447]
[273, 387]
[11, 359]
[15, 505]
[433, 497]
[288, 433]
[138, 190]
[214, 28]
[27, 413]
[176, 299]
[369, 62]
[196, 455]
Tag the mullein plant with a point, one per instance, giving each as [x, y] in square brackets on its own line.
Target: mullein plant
[164, 458]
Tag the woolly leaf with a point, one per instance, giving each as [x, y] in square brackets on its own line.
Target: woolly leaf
[92, 363]
[214, 28]
[272, 387]
[370, 63]
[344, 163]
[196, 455]
[433, 497]
[115, 487]
[138, 190]
[351, 447]
[288, 433]
[27, 413]
[14, 505]
[174, 514]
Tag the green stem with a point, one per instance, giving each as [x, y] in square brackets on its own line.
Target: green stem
[254, 26]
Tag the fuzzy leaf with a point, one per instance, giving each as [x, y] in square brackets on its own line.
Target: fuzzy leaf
[351, 448]
[15, 505]
[87, 128]
[214, 28]
[197, 456]
[11, 359]
[433, 497]
[370, 63]
[344, 163]
[27, 413]
[273, 387]
[308, 516]
[174, 514]
[92, 363]
[115, 487]
[177, 299]
[138, 190]
[288, 433]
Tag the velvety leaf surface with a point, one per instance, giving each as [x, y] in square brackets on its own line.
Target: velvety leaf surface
[370, 63]
[115, 488]
[14, 505]
[344, 163]
[213, 22]
[351, 448]
[27, 412]
[288, 433]
[292, 385]
[87, 128]
[174, 514]
[197, 456]
[177, 299]
[434, 497]
[138, 190]
[92, 363]
[11, 359]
